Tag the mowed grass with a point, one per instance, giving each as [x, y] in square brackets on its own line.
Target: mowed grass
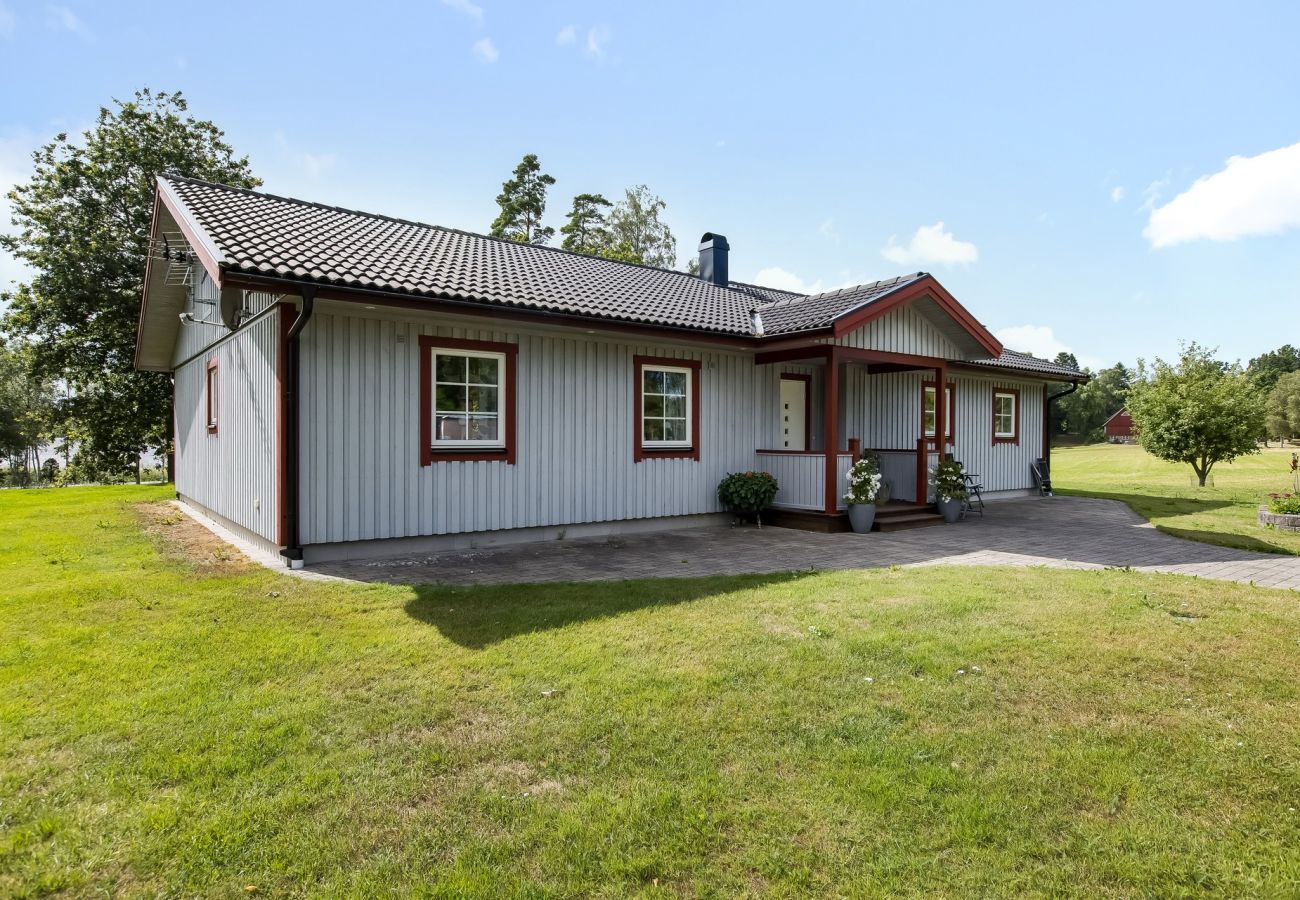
[190, 728]
[1167, 494]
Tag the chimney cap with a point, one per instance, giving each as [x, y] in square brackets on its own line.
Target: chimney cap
[718, 240]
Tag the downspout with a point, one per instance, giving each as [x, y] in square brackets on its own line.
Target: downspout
[293, 549]
[1047, 420]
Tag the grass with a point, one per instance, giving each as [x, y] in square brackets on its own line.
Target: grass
[194, 727]
[1167, 494]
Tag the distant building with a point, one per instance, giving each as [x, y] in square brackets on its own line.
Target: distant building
[1119, 428]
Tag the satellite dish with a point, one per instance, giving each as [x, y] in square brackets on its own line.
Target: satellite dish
[232, 307]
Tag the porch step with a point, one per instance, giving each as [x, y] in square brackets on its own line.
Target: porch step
[904, 516]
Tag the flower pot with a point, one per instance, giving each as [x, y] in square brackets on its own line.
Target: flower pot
[862, 516]
[949, 508]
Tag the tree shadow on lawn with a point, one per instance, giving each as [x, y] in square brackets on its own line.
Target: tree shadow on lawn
[1226, 539]
[477, 617]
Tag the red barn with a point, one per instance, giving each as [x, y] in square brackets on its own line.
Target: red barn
[1119, 428]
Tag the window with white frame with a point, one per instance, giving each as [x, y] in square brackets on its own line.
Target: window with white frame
[666, 397]
[469, 394]
[927, 410]
[1004, 415]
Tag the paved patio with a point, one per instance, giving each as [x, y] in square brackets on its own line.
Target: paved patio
[1061, 532]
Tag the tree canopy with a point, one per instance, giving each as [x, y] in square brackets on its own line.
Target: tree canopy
[1085, 411]
[586, 230]
[1198, 410]
[83, 221]
[523, 202]
[1284, 407]
[636, 230]
[1266, 369]
[26, 410]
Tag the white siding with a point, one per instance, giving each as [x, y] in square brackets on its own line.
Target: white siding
[232, 472]
[903, 330]
[800, 478]
[208, 328]
[360, 435]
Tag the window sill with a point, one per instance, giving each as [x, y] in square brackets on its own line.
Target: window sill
[1006, 440]
[212, 429]
[465, 455]
[673, 453]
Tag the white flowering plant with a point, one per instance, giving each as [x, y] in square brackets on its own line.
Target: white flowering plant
[865, 483]
[949, 481]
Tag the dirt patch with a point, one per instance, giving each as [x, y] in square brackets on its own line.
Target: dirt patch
[186, 541]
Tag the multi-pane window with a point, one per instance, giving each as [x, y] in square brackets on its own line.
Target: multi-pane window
[927, 411]
[665, 406]
[1004, 415]
[468, 396]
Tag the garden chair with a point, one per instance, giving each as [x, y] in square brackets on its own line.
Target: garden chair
[1042, 477]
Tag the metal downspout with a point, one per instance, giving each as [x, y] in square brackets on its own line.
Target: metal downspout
[293, 551]
[1047, 420]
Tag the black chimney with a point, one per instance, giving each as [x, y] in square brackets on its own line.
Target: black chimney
[713, 258]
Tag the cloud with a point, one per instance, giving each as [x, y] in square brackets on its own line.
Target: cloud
[469, 9]
[597, 38]
[566, 35]
[1117, 193]
[1152, 193]
[313, 165]
[62, 17]
[931, 244]
[827, 230]
[1036, 339]
[7, 22]
[1251, 195]
[485, 50]
[779, 278]
[15, 167]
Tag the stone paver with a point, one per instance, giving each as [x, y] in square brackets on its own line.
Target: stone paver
[1060, 532]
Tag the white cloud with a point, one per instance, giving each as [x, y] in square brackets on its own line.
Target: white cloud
[1251, 195]
[566, 35]
[1036, 339]
[469, 9]
[62, 17]
[779, 278]
[485, 50]
[313, 165]
[1117, 193]
[7, 22]
[827, 230]
[1152, 193]
[597, 38]
[15, 167]
[930, 244]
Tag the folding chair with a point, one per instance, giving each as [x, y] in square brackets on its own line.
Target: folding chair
[1042, 477]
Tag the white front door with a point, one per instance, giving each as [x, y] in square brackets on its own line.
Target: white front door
[794, 414]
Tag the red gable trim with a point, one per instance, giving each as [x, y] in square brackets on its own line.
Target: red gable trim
[1119, 412]
[926, 286]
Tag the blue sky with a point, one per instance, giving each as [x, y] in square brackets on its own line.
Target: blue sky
[1064, 172]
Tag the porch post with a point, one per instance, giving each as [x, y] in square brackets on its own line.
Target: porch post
[940, 409]
[831, 412]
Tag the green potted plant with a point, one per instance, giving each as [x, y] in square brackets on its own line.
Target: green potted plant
[866, 488]
[949, 489]
[747, 494]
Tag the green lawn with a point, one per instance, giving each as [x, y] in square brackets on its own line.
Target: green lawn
[200, 729]
[1167, 494]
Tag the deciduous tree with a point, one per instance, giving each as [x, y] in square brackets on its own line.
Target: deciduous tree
[1266, 369]
[636, 230]
[1198, 411]
[83, 222]
[523, 202]
[1284, 408]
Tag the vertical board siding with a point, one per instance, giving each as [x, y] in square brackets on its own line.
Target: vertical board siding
[903, 330]
[232, 472]
[360, 457]
[208, 328]
[843, 462]
[899, 469]
[1001, 467]
[800, 478]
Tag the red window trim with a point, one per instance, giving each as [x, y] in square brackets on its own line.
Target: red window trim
[1015, 418]
[429, 455]
[213, 409]
[950, 416]
[807, 405]
[692, 452]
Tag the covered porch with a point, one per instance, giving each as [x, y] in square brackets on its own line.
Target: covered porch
[811, 465]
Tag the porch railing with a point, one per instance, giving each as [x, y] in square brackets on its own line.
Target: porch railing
[801, 477]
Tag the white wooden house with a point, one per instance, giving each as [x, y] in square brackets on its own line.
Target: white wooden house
[350, 384]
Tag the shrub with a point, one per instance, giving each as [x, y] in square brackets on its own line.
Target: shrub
[865, 484]
[747, 493]
[1284, 504]
[948, 480]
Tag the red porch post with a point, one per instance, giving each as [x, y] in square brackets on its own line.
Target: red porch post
[940, 409]
[831, 409]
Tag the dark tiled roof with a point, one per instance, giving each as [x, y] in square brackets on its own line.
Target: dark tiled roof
[1013, 360]
[762, 294]
[796, 312]
[262, 234]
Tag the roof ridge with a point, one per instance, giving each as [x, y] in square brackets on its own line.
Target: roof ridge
[417, 224]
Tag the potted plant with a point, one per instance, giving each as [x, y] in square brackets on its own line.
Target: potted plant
[865, 490]
[747, 494]
[949, 489]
